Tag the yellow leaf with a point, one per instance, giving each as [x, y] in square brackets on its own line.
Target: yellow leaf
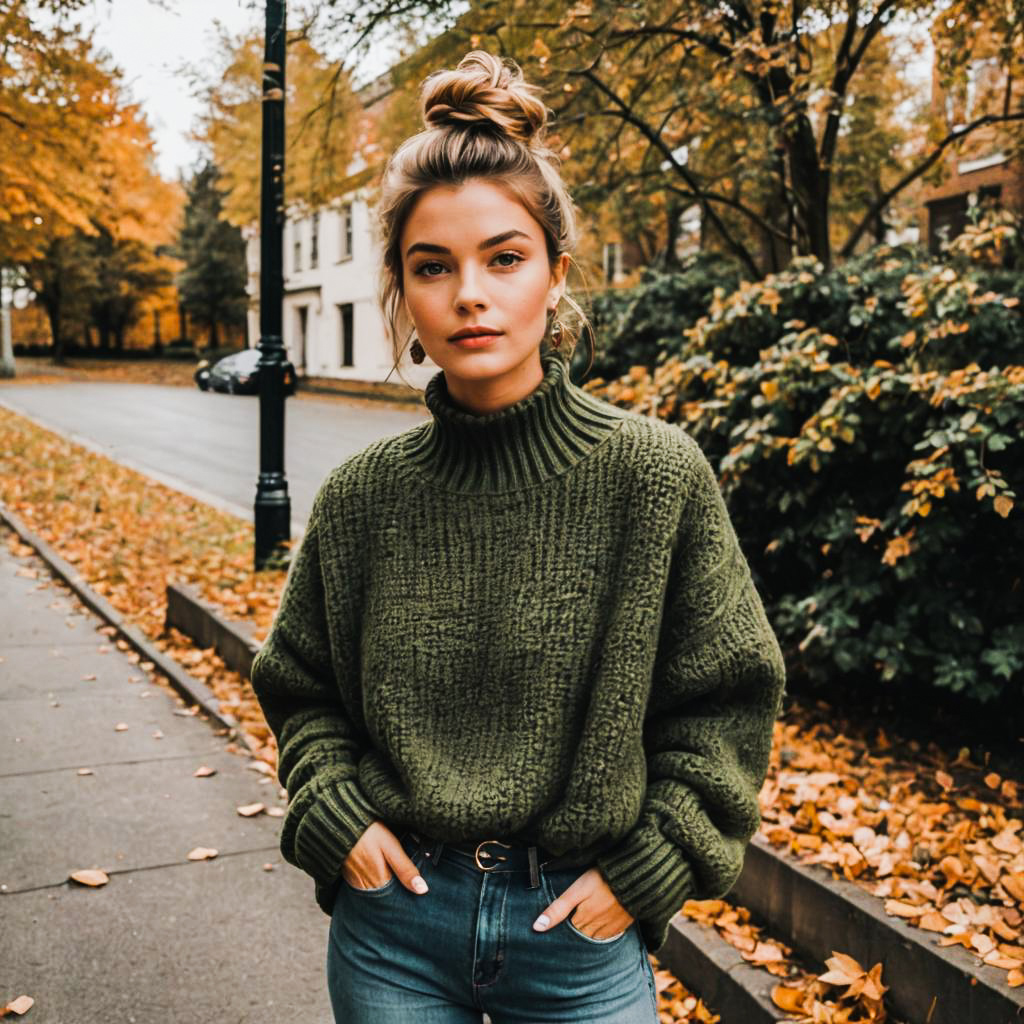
[1002, 505]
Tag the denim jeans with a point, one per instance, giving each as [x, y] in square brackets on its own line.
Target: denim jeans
[468, 947]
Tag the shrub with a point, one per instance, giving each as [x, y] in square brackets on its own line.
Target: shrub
[866, 423]
[634, 326]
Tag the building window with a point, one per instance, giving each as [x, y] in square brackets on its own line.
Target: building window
[947, 218]
[297, 246]
[612, 262]
[345, 233]
[314, 241]
[302, 335]
[346, 322]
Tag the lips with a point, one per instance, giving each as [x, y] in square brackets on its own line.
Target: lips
[479, 330]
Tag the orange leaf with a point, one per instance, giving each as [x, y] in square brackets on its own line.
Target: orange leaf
[90, 876]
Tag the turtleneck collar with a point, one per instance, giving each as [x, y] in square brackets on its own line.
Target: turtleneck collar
[542, 435]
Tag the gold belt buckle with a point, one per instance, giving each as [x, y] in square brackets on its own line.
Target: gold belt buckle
[476, 855]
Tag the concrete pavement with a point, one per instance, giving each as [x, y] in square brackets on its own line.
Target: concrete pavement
[167, 940]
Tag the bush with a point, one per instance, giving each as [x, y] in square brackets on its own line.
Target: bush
[866, 423]
[634, 326]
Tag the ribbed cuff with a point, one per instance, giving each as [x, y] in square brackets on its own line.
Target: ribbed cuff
[331, 827]
[650, 876]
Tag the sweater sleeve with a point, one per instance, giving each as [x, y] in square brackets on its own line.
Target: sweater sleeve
[319, 743]
[716, 690]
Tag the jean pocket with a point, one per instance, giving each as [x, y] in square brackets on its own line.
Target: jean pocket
[552, 895]
[411, 849]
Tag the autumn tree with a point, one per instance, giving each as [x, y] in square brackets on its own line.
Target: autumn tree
[55, 102]
[212, 283]
[746, 108]
[320, 114]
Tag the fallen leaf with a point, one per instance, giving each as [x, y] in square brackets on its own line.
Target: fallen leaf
[120, 727]
[202, 853]
[20, 1005]
[792, 1000]
[248, 810]
[90, 876]
[203, 772]
[85, 771]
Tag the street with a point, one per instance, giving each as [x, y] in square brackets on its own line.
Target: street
[206, 443]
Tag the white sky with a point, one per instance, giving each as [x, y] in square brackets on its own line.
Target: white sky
[148, 41]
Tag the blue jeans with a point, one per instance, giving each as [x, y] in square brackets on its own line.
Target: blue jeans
[467, 947]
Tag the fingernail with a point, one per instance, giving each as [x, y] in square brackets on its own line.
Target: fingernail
[419, 885]
[542, 922]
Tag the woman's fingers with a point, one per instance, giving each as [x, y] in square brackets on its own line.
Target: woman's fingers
[376, 856]
[402, 865]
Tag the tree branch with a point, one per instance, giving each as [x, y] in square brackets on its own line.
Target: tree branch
[645, 129]
[916, 172]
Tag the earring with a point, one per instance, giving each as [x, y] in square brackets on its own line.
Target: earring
[556, 329]
[416, 351]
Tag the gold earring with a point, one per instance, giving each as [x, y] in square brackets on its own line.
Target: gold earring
[416, 351]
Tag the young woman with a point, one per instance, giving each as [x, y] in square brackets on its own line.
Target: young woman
[521, 681]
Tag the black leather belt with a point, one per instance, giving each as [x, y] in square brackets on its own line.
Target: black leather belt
[488, 855]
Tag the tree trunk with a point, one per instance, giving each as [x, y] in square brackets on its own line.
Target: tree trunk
[214, 335]
[811, 187]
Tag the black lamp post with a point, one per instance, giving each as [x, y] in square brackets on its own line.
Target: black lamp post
[273, 506]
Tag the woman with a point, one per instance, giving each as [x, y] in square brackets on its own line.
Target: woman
[521, 682]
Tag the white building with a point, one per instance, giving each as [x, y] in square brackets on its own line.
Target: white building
[332, 324]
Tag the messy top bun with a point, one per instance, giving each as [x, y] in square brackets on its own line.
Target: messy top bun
[482, 122]
[484, 92]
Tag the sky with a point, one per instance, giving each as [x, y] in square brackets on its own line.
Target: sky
[148, 41]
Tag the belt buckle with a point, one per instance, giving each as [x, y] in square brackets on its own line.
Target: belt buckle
[476, 855]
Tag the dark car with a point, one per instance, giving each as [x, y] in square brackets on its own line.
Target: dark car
[238, 374]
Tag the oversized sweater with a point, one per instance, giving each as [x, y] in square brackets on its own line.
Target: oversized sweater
[534, 623]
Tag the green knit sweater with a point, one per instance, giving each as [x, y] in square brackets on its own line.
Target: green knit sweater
[534, 623]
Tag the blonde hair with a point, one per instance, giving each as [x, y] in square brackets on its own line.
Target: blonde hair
[482, 121]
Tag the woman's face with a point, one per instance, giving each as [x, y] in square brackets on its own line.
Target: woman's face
[474, 257]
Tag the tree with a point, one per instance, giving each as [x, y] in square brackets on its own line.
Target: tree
[741, 107]
[320, 111]
[212, 284]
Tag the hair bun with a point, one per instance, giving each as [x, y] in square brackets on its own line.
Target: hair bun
[485, 91]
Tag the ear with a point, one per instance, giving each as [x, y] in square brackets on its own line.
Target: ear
[559, 275]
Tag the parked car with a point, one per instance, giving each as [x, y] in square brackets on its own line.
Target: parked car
[238, 374]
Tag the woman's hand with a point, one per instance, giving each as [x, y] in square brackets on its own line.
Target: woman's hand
[377, 855]
[601, 915]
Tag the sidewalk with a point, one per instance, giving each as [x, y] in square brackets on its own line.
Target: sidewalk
[167, 940]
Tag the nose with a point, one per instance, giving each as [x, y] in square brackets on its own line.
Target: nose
[470, 293]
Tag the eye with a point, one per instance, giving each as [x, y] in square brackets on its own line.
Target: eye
[422, 268]
[516, 258]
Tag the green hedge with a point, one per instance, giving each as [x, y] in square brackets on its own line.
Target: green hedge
[866, 423]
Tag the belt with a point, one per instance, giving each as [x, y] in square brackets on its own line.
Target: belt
[517, 855]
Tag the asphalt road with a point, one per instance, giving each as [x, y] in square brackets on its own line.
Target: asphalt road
[207, 444]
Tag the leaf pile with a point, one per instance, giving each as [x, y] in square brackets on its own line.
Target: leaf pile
[808, 996]
[937, 838]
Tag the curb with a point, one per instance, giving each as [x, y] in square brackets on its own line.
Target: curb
[714, 970]
[188, 686]
[816, 914]
[232, 639]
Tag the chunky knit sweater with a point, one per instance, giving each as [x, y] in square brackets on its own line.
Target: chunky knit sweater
[535, 623]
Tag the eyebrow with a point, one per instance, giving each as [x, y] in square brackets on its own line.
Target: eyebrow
[487, 243]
